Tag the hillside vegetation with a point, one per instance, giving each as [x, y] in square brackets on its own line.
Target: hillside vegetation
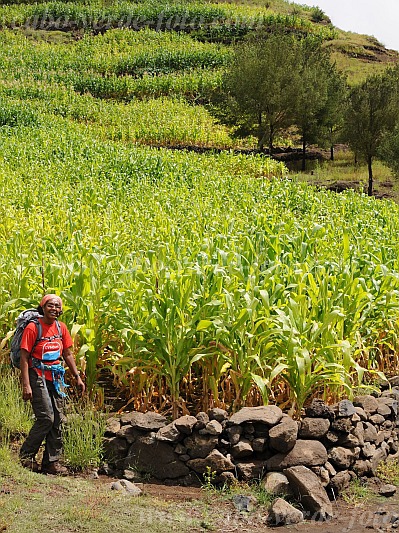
[194, 279]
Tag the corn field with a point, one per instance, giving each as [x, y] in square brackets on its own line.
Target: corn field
[197, 280]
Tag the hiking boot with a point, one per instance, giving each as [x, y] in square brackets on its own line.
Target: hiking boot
[30, 463]
[55, 469]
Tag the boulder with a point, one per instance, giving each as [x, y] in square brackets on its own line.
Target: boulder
[243, 448]
[282, 513]
[307, 486]
[283, 436]
[250, 470]
[169, 433]
[156, 458]
[244, 503]
[345, 408]
[269, 415]
[318, 409]
[185, 424]
[234, 434]
[213, 428]
[112, 426]
[215, 462]
[202, 420]
[199, 446]
[370, 433]
[127, 487]
[129, 433]
[314, 428]
[145, 421]
[340, 482]
[305, 452]
[341, 458]
[220, 415]
[276, 483]
[366, 402]
[379, 455]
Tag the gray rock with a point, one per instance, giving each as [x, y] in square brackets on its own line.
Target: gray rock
[330, 469]
[126, 487]
[218, 414]
[283, 436]
[368, 450]
[387, 490]
[202, 420]
[169, 433]
[244, 503]
[259, 444]
[361, 413]
[322, 473]
[380, 455]
[342, 425]
[243, 448]
[377, 419]
[129, 433]
[215, 461]
[145, 421]
[282, 513]
[362, 468]
[358, 432]
[370, 433]
[341, 458]
[340, 482]
[314, 428]
[185, 424]
[305, 452]
[250, 470]
[269, 415]
[318, 409]
[147, 455]
[277, 483]
[366, 402]
[346, 408]
[332, 437]
[226, 479]
[234, 434]
[213, 427]
[307, 486]
[112, 426]
[388, 402]
[200, 445]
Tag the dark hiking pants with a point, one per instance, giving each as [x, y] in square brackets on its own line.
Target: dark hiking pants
[48, 409]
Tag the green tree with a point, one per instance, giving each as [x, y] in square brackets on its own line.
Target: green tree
[260, 87]
[315, 99]
[371, 115]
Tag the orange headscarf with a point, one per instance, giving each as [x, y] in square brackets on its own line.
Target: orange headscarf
[48, 297]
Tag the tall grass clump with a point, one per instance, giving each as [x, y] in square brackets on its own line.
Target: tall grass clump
[83, 434]
[15, 414]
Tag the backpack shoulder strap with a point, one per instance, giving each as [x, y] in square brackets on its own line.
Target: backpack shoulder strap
[38, 336]
[59, 329]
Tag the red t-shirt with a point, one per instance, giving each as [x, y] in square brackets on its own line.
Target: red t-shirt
[47, 350]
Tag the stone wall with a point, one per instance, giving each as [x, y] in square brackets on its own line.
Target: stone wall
[333, 443]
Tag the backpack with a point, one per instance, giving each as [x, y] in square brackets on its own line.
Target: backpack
[25, 318]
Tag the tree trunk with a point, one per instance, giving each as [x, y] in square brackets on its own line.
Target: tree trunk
[370, 168]
[271, 136]
[332, 152]
[304, 154]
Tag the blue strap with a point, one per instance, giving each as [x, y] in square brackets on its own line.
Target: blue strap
[57, 374]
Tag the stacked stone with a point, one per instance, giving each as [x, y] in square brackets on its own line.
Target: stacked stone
[322, 452]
